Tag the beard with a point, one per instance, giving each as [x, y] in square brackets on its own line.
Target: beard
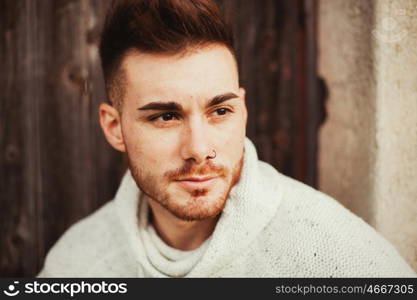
[188, 205]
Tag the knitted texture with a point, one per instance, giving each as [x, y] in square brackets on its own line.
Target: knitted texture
[166, 261]
[271, 226]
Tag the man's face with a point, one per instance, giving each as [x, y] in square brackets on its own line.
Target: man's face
[183, 127]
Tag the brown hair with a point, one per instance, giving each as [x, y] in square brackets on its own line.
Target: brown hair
[157, 26]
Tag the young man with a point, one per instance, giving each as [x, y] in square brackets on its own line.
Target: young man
[196, 201]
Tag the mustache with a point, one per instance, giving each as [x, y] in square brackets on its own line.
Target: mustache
[190, 170]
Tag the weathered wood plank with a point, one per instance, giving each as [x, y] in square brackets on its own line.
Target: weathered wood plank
[19, 139]
[275, 43]
[56, 167]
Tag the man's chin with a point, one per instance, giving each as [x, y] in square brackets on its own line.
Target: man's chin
[195, 205]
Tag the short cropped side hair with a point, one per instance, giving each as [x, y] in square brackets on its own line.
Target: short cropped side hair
[157, 26]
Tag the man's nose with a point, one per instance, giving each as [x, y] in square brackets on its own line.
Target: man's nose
[195, 141]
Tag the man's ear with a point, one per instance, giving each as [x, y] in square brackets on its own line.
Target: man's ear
[242, 94]
[111, 125]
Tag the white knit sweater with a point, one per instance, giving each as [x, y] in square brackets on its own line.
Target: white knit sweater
[271, 226]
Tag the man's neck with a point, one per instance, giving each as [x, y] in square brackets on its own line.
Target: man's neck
[177, 233]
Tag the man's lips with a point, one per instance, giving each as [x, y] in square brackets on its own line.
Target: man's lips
[198, 179]
[192, 183]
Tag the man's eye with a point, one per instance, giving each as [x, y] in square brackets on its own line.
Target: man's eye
[165, 117]
[222, 111]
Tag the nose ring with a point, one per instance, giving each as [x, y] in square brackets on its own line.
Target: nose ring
[214, 156]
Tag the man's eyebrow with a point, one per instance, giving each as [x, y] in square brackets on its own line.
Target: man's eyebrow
[178, 107]
[161, 106]
[221, 98]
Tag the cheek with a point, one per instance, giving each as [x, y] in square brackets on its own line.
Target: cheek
[150, 148]
[230, 141]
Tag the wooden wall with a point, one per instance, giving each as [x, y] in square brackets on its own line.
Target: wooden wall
[56, 167]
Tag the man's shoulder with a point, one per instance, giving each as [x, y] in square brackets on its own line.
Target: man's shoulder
[298, 197]
[87, 245]
[321, 230]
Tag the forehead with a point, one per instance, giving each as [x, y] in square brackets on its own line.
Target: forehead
[202, 72]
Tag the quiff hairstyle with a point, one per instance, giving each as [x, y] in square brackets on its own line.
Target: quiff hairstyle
[157, 26]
